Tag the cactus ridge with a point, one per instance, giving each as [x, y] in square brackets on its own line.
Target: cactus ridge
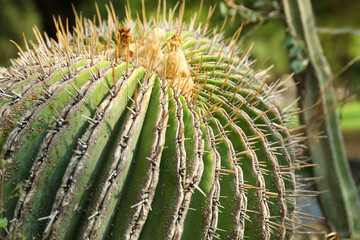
[116, 129]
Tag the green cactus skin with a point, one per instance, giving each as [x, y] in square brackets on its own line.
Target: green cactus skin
[99, 142]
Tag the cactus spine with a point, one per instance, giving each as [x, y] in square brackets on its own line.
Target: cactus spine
[116, 130]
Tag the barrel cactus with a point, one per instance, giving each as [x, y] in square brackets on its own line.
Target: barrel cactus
[144, 130]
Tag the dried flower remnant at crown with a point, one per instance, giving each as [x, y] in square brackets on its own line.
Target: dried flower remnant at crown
[172, 65]
[124, 42]
[152, 45]
[175, 43]
[150, 52]
[177, 70]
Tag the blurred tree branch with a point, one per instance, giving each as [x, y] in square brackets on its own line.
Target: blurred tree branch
[338, 31]
[338, 196]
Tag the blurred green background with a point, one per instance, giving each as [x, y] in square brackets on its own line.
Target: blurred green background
[338, 22]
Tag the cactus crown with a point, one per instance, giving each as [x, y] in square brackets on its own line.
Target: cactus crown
[107, 134]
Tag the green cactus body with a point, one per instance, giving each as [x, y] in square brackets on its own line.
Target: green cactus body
[158, 138]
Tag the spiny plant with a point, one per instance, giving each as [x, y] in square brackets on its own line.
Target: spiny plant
[145, 129]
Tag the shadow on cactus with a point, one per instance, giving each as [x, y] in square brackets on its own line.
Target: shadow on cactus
[145, 129]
